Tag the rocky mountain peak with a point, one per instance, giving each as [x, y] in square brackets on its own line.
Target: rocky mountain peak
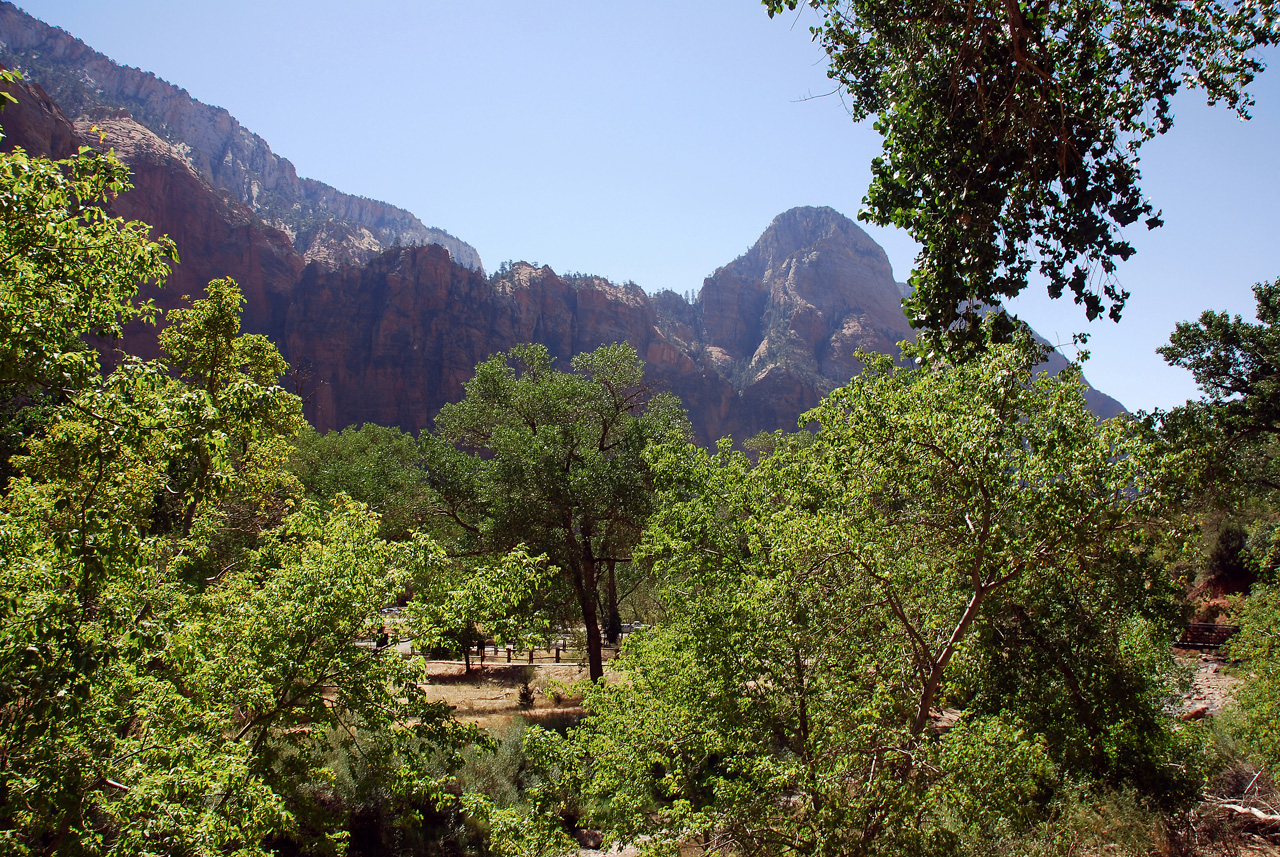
[811, 290]
[808, 229]
[327, 226]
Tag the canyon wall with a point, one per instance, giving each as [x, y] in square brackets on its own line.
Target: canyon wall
[392, 340]
[324, 224]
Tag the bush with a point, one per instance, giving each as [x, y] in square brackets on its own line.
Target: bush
[1082, 821]
[1262, 550]
[496, 772]
[1255, 717]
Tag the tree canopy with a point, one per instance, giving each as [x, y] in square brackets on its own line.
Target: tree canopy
[67, 268]
[1229, 436]
[965, 538]
[373, 464]
[1235, 363]
[1012, 131]
[556, 464]
[184, 642]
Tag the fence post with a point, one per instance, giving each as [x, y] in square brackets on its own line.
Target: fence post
[557, 654]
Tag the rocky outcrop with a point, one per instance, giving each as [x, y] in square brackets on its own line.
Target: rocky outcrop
[808, 294]
[215, 237]
[222, 152]
[35, 123]
[391, 341]
[767, 337]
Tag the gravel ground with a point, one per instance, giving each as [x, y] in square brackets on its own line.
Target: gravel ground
[1211, 688]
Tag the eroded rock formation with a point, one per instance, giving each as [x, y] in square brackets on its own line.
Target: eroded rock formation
[229, 157]
[392, 340]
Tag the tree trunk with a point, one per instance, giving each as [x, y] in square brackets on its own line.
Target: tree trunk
[613, 621]
[934, 680]
[583, 568]
[595, 658]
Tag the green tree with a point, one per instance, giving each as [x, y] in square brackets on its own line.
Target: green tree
[966, 537]
[152, 706]
[1256, 710]
[1236, 365]
[372, 464]
[1012, 130]
[182, 644]
[457, 605]
[238, 419]
[67, 268]
[557, 466]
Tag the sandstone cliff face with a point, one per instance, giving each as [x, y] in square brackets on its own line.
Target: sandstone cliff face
[811, 291]
[215, 237]
[769, 335]
[393, 340]
[784, 321]
[222, 152]
[36, 123]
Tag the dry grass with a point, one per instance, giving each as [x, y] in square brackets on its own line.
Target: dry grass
[491, 694]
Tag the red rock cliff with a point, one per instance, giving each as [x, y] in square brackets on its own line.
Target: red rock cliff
[392, 340]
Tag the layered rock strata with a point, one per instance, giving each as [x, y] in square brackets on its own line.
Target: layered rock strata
[324, 224]
[393, 340]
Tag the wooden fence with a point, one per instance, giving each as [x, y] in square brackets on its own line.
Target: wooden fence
[1205, 636]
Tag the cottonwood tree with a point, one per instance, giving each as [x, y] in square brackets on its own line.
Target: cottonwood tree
[966, 537]
[1012, 130]
[1236, 365]
[183, 644]
[554, 461]
[373, 464]
[457, 605]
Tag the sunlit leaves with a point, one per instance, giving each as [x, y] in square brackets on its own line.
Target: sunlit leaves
[823, 605]
[1012, 129]
[67, 268]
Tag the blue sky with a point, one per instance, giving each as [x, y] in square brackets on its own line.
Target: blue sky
[654, 141]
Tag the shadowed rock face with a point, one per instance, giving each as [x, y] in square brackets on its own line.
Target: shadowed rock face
[226, 155]
[391, 341]
[396, 339]
[215, 237]
[769, 335]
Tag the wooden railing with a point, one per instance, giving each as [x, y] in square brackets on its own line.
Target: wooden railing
[1205, 636]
